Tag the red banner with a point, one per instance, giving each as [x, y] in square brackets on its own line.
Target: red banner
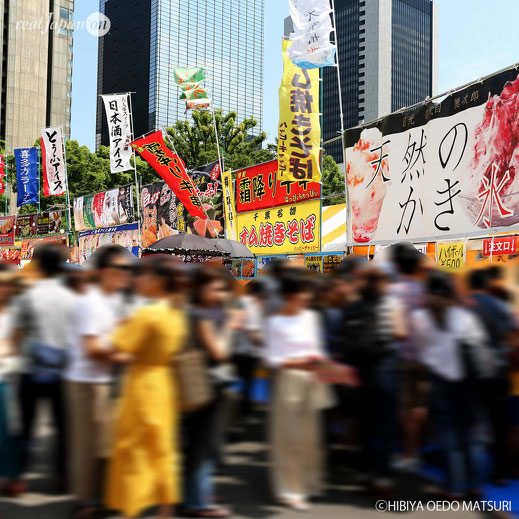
[260, 187]
[171, 168]
[500, 246]
[2, 174]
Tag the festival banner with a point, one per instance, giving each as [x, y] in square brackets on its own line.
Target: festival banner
[230, 213]
[125, 235]
[27, 162]
[120, 131]
[26, 225]
[284, 230]
[311, 45]
[331, 262]
[28, 245]
[261, 187]
[299, 130]
[163, 214]
[2, 174]
[314, 263]
[171, 169]
[105, 209]
[500, 246]
[54, 167]
[190, 80]
[7, 230]
[451, 256]
[441, 170]
[43, 223]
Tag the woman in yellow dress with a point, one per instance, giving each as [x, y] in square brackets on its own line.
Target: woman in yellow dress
[144, 465]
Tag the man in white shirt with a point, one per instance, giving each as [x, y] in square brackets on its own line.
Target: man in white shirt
[42, 320]
[89, 374]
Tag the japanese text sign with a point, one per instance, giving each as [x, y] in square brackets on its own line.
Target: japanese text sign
[171, 169]
[118, 117]
[299, 130]
[7, 226]
[441, 170]
[500, 246]
[54, 167]
[451, 256]
[228, 203]
[26, 175]
[289, 229]
[261, 187]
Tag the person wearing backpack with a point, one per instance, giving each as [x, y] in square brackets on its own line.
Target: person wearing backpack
[42, 320]
[493, 392]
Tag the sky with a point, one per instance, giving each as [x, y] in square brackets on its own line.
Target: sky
[476, 38]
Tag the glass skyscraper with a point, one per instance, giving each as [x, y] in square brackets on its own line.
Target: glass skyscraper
[388, 60]
[149, 38]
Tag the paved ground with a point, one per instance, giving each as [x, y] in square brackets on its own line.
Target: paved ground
[244, 485]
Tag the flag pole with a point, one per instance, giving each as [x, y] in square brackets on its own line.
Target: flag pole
[129, 94]
[69, 221]
[348, 207]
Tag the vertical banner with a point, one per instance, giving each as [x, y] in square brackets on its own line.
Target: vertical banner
[299, 130]
[54, 167]
[311, 45]
[26, 175]
[171, 169]
[120, 130]
[2, 174]
[228, 200]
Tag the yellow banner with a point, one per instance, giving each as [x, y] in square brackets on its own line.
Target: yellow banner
[290, 229]
[451, 256]
[228, 202]
[299, 130]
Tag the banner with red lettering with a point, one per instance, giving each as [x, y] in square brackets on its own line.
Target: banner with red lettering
[261, 187]
[171, 168]
[54, 167]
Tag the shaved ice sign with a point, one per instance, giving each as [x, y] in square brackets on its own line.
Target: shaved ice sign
[444, 169]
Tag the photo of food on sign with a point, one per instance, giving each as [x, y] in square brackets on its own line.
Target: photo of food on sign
[441, 169]
[261, 187]
[162, 214]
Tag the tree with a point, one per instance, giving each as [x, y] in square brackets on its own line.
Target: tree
[333, 182]
[195, 141]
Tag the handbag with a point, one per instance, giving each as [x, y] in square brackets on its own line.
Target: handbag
[47, 363]
[192, 378]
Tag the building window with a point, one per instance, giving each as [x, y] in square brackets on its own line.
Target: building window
[65, 13]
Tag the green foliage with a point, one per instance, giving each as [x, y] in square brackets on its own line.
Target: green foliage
[333, 182]
[195, 141]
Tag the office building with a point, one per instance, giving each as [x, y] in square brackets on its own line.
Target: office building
[149, 38]
[388, 60]
[36, 68]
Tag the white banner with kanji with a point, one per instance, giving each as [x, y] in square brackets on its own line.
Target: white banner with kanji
[54, 167]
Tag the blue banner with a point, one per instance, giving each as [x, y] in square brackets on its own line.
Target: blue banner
[27, 175]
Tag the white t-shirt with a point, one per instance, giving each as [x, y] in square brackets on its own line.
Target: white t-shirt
[96, 314]
[44, 312]
[293, 336]
[439, 348]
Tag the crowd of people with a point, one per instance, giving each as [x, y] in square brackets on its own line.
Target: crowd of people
[387, 356]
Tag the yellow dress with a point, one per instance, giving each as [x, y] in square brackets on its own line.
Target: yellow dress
[145, 463]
